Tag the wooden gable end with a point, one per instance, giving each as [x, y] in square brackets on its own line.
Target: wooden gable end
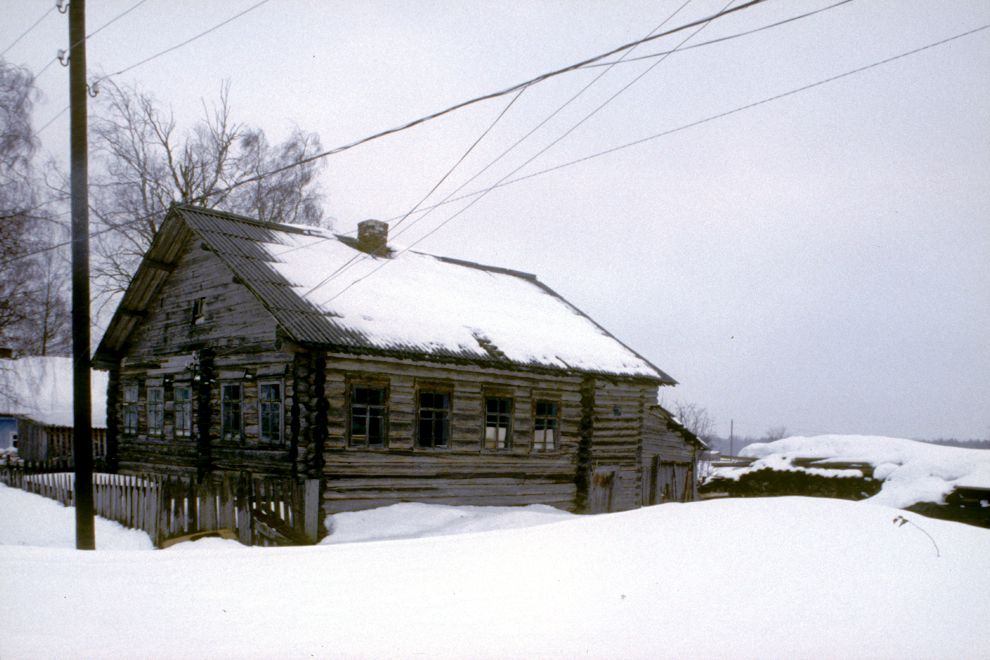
[200, 304]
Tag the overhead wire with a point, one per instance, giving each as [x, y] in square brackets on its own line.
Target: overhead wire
[485, 97]
[184, 43]
[541, 124]
[517, 169]
[28, 31]
[93, 34]
[188, 41]
[603, 64]
[627, 145]
[361, 257]
[727, 113]
[450, 171]
[719, 40]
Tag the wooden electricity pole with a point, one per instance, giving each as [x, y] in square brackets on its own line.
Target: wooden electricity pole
[82, 442]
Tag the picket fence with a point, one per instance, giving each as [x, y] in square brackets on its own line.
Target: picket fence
[255, 510]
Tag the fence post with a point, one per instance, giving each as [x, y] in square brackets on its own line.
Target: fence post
[244, 518]
[311, 510]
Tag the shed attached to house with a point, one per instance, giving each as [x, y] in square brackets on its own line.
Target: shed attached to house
[389, 374]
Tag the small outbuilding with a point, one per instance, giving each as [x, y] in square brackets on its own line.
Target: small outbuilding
[36, 408]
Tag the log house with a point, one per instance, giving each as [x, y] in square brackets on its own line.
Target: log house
[243, 345]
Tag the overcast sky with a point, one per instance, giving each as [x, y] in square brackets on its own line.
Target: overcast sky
[818, 261]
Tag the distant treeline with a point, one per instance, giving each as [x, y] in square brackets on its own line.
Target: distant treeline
[968, 444]
[722, 445]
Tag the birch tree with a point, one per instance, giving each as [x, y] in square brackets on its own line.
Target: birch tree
[33, 310]
[144, 162]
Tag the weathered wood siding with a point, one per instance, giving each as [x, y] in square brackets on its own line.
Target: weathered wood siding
[463, 473]
[234, 341]
[232, 317]
[669, 462]
[616, 446]
[601, 420]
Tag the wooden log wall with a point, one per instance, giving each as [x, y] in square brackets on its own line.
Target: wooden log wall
[617, 437]
[667, 457]
[234, 341]
[232, 317]
[463, 473]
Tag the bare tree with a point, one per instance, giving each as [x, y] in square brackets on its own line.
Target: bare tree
[145, 163]
[695, 419]
[30, 282]
[775, 433]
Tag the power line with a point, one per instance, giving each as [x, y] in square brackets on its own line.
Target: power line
[27, 31]
[627, 145]
[527, 162]
[542, 123]
[450, 171]
[155, 56]
[711, 117]
[93, 34]
[361, 257]
[711, 42]
[509, 90]
[184, 43]
[602, 64]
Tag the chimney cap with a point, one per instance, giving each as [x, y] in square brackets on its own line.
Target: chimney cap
[373, 237]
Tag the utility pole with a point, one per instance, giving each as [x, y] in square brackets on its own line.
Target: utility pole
[732, 424]
[82, 441]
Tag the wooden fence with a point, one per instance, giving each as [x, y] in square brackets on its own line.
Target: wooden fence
[254, 510]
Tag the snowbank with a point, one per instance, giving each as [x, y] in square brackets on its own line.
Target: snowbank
[32, 520]
[911, 471]
[415, 520]
[782, 577]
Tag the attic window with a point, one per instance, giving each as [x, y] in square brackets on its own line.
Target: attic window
[198, 309]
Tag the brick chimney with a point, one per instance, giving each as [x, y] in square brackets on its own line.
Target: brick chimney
[373, 237]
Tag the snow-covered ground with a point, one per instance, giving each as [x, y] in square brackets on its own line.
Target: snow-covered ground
[911, 471]
[750, 578]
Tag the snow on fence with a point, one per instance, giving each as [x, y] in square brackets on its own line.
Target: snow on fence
[254, 510]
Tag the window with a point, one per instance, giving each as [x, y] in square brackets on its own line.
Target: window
[368, 416]
[498, 423]
[546, 422]
[198, 311]
[130, 408]
[434, 419]
[270, 411]
[156, 410]
[230, 411]
[183, 411]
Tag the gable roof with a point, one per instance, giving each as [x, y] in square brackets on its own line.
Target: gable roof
[40, 389]
[407, 304]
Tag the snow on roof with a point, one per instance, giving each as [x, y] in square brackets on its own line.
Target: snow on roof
[321, 289]
[40, 388]
[421, 300]
[911, 471]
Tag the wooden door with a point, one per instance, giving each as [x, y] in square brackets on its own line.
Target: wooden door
[602, 483]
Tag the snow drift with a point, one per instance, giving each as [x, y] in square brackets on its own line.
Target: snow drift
[911, 472]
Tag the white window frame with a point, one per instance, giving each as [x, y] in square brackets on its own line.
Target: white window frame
[225, 432]
[281, 411]
[155, 408]
[183, 411]
[130, 409]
